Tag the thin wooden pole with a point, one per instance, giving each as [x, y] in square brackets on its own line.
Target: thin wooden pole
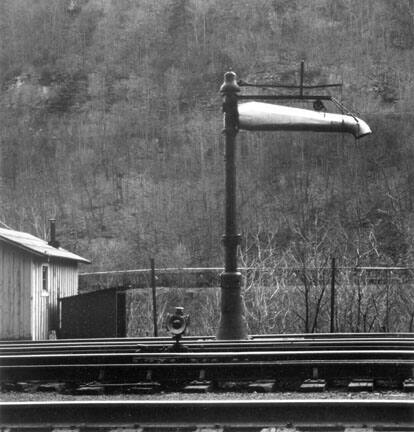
[333, 270]
[302, 73]
[154, 297]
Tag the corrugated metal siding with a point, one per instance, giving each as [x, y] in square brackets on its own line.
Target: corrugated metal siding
[15, 281]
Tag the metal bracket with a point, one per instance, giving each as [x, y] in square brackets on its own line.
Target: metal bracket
[301, 87]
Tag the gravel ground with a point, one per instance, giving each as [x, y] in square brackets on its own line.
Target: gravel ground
[44, 396]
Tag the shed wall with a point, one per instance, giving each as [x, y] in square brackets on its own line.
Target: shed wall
[64, 277]
[62, 282]
[15, 292]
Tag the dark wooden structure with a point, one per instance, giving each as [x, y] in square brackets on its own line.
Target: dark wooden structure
[98, 314]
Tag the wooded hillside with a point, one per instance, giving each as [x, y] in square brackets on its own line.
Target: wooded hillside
[111, 122]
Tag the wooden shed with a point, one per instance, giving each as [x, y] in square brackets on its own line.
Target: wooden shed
[34, 275]
[98, 314]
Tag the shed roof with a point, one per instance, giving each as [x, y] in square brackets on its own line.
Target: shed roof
[38, 246]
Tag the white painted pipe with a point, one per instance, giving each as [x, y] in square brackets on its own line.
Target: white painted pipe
[270, 117]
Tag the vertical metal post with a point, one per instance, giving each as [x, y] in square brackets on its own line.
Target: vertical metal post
[305, 281]
[154, 297]
[333, 271]
[387, 303]
[302, 73]
[232, 324]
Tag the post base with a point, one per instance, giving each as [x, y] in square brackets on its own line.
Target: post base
[232, 322]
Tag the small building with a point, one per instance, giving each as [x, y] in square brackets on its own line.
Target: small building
[34, 275]
[97, 314]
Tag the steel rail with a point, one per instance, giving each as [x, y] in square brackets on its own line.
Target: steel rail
[120, 342]
[102, 357]
[188, 358]
[200, 343]
[162, 349]
[124, 344]
[203, 365]
[218, 366]
[180, 375]
[212, 338]
[229, 413]
[345, 344]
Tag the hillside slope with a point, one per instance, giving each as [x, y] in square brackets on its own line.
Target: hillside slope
[110, 122]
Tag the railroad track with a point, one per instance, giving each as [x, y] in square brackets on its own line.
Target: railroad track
[288, 361]
[188, 339]
[344, 341]
[229, 416]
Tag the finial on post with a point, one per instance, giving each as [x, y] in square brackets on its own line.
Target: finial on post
[230, 83]
[229, 90]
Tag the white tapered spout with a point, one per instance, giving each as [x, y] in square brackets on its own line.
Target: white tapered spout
[268, 117]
